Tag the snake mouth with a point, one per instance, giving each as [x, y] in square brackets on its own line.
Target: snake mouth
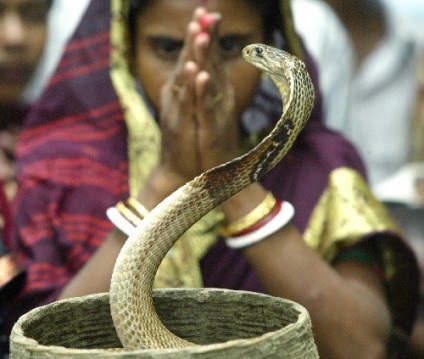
[255, 55]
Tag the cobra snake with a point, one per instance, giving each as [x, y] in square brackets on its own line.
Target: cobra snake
[131, 303]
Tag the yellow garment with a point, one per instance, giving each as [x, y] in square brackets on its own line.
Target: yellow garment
[346, 212]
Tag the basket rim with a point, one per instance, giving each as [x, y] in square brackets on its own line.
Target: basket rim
[30, 344]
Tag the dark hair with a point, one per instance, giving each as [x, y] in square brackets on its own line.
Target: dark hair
[136, 7]
[270, 9]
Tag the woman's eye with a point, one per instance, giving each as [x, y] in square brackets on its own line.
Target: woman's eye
[32, 12]
[167, 48]
[232, 45]
[35, 11]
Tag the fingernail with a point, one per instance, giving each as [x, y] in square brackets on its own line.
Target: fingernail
[207, 21]
[202, 36]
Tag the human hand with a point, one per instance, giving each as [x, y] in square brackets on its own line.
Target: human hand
[199, 128]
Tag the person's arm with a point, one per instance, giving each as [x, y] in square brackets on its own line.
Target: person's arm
[346, 303]
[95, 276]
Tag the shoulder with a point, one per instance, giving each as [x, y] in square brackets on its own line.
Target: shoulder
[330, 149]
[306, 172]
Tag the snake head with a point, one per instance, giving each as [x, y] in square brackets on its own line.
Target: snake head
[269, 59]
[277, 63]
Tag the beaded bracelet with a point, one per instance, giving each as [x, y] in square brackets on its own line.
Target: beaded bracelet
[126, 215]
[258, 213]
[277, 219]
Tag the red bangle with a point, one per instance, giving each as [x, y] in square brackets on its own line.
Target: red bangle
[262, 222]
[281, 215]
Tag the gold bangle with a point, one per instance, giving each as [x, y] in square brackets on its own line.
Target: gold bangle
[137, 207]
[128, 214]
[258, 213]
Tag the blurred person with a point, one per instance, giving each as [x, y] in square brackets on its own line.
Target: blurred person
[175, 100]
[411, 12]
[23, 32]
[384, 86]
[63, 18]
[383, 118]
[417, 229]
[329, 44]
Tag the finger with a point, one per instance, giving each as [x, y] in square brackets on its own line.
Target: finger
[193, 30]
[207, 95]
[178, 93]
[187, 51]
[199, 12]
[207, 20]
[205, 42]
[191, 70]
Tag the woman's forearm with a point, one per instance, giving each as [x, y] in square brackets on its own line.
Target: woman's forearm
[346, 304]
[95, 276]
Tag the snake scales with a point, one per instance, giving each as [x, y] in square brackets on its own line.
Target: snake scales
[133, 313]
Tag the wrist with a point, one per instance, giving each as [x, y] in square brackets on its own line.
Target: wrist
[249, 220]
[243, 202]
[160, 184]
[278, 218]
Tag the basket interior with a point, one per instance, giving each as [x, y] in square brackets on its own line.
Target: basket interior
[201, 316]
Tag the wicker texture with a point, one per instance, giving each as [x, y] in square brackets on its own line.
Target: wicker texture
[225, 324]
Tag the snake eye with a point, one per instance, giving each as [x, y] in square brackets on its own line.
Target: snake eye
[259, 50]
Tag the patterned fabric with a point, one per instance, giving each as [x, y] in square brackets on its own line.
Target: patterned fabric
[72, 159]
[77, 158]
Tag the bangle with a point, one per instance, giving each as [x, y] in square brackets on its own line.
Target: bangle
[137, 207]
[278, 219]
[126, 215]
[262, 222]
[256, 215]
[120, 221]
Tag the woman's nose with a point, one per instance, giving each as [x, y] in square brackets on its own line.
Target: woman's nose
[12, 30]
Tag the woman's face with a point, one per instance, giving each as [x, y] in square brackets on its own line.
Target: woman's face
[159, 35]
[22, 38]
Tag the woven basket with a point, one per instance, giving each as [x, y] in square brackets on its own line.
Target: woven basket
[225, 323]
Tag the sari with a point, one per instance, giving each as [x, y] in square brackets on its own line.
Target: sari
[92, 139]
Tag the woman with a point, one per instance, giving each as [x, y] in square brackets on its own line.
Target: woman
[209, 106]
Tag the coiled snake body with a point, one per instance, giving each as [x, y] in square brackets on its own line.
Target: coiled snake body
[133, 313]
